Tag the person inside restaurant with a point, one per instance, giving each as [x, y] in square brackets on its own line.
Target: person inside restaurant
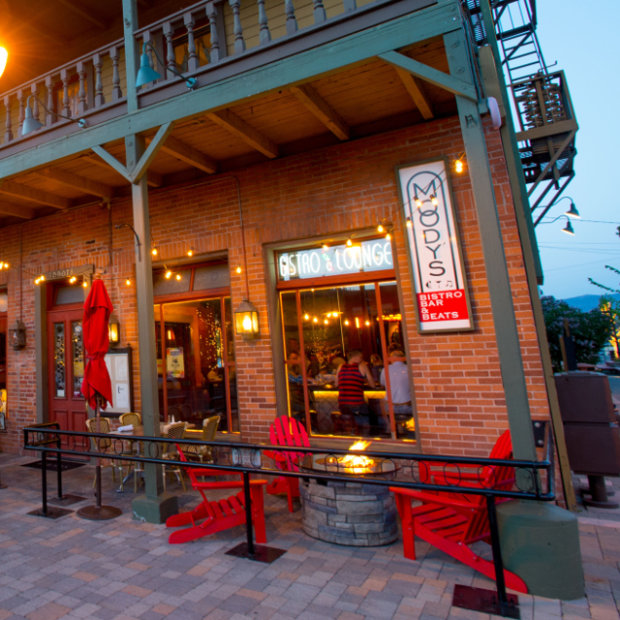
[351, 378]
[400, 389]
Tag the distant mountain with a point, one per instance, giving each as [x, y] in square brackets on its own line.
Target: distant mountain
[585, 303]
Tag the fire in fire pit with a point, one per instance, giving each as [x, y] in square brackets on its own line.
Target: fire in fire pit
[349, 513]
[354, 463]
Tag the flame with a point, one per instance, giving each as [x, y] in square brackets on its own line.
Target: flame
[357, 463]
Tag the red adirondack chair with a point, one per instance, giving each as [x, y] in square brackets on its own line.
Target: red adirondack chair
[211, 516]
[286, 431]
[453, 521]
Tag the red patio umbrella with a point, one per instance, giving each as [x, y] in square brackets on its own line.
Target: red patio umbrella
[96, 385]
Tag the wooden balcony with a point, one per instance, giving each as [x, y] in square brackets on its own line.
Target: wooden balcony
[271, 80]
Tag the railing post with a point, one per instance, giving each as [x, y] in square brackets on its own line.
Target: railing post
[58, 467]
[44, 483]
[500, 582]
[248, 514]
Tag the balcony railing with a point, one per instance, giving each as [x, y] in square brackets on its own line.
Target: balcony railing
[194, 41]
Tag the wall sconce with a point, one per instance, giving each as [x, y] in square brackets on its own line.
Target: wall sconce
[147, 74]
[17, 336]
[246, 320]
[114, 330]
[31, 124]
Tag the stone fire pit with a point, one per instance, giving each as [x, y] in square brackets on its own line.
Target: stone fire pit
[348, 513]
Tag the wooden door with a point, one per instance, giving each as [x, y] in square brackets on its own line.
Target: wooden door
[66, 371]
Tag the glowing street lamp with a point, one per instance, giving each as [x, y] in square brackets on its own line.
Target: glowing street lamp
[4, 55]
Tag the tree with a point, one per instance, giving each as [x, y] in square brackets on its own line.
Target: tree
[589, 331]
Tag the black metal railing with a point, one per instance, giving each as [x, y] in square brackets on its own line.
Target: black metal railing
[534, 480]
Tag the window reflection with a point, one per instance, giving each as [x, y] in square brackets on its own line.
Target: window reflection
[322, 328]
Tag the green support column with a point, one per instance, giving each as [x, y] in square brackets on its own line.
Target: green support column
[490, 61]
[504, 319]
[154, 506]
[550, 562]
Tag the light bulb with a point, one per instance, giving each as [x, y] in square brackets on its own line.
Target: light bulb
[178, 277]
[154, 251]
[349, 243]
[380, 228]
[238, 269]
[434, 200]
[409, 223]
[127, 282]
[168, 274]
[190, 252]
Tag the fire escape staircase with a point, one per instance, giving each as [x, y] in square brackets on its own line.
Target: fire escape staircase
[540, 99]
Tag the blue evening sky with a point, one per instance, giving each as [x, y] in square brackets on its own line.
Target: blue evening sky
[582, 37]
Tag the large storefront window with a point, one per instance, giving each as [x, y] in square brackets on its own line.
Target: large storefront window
[324, 325]
[195, 350]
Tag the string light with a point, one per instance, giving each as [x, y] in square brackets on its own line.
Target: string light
[190, 252]
[434, 200]
[128, 282]
[380, 228]
[178, 277]
[409, 223]
[418, 202]
[168, 274]
[40, 279]
[349, 243]
[72, 280]
[154, 251]
[238, 269]
[3, 265]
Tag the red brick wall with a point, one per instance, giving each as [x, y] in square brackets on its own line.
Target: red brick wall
[326, 192]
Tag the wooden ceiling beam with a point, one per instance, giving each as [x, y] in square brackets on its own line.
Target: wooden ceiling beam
[415, 92]
[77, 182]
[231, 122]
[322, 110]
[24, 213]
[189, 155]
[73, 6]
[8, 188]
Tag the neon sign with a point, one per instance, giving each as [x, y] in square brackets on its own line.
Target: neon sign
[371, 255]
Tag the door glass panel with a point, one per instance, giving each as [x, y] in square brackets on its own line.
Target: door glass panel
[60, 373]
[195, 363]
[77, 357]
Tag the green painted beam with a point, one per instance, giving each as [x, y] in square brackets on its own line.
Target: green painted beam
[417, 26]
[150, 152]
[448, 82]
[504, 318]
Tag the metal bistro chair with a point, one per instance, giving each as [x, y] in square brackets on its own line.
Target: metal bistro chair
[209, 429]
[172, 431]
[100, 444]
[135, 419]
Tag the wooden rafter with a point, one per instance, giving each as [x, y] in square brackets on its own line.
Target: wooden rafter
[75, 181]
[322, 110]
[8, 188]
[237, 126]
[78, 10]
[19, 211]
[415, 92]
[189, 155]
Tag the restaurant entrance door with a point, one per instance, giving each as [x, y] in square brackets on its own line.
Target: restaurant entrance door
[65, 352]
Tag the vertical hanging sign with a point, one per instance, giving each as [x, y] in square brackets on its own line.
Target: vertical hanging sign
[441, 289]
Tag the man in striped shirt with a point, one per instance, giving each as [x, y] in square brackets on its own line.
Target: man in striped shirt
[350, 380]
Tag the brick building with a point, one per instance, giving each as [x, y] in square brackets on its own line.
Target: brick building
[302, 160]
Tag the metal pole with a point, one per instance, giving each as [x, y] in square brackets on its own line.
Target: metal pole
[44, 483]
[248, 513]
[58, 468]
[497, 555]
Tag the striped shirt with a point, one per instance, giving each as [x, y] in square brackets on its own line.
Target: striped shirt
[350, 385]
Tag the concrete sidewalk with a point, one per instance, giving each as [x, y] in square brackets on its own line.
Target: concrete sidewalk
[122, 568]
